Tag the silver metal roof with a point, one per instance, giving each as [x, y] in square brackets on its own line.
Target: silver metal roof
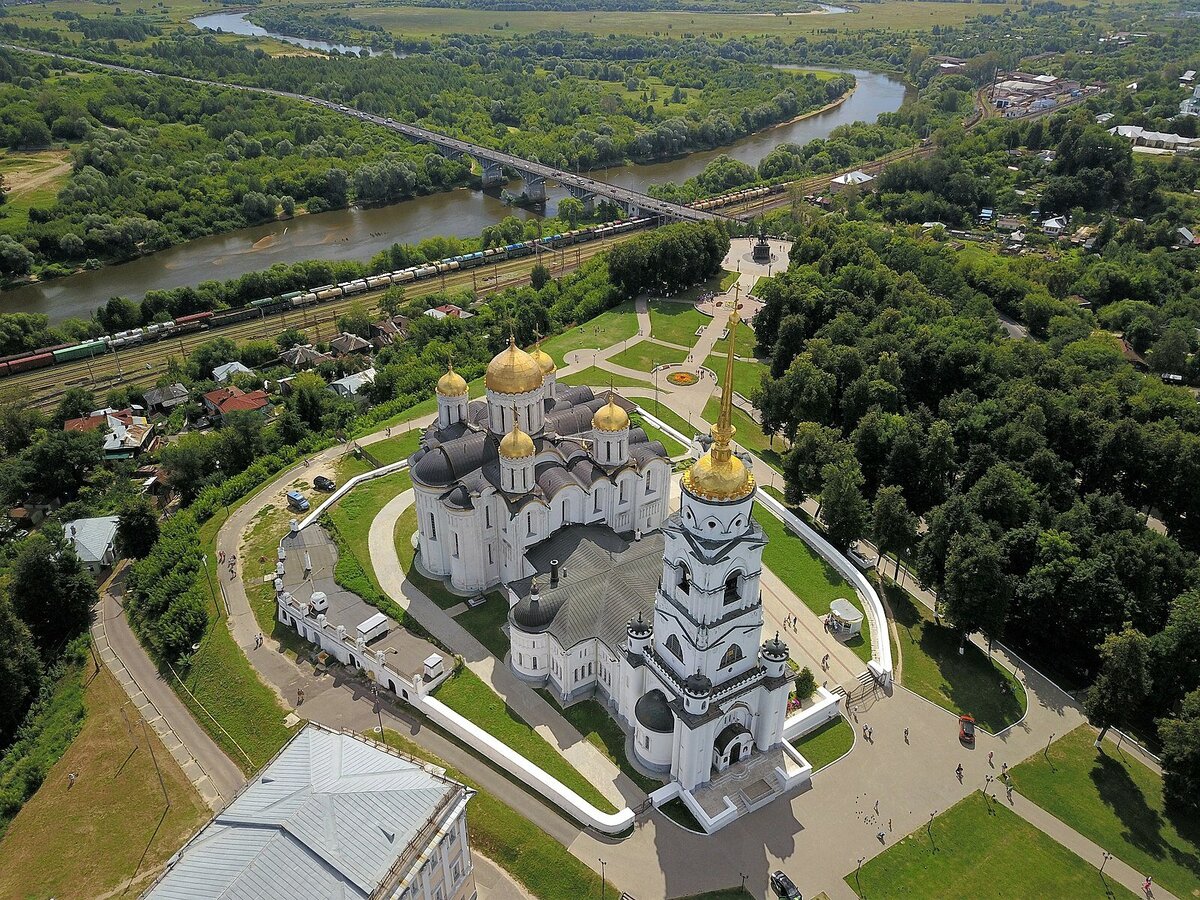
[326, 819]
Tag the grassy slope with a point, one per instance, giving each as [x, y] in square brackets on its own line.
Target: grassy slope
[828, 743]
[970, 683]
[645, 355]
[85, 840]
[674, 448]
[1115, 801]
[812, 579]
[503, 835]
[606, 329]
[485, 622]
[983, 850]
[466, 694]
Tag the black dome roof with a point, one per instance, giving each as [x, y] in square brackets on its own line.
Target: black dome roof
[654, 713]
[535, 612]
[775, 647]
[698, 685]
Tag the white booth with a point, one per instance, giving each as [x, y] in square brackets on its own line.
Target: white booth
[844, 620]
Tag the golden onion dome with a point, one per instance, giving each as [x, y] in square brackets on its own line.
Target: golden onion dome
[516, 444]
[451, 384]
[718, 479]
[513, 371]
[544, 360]
[610, 417]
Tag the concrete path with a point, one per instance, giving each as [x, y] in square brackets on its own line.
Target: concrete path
[214, 775]
[493, 882]
[519, 696]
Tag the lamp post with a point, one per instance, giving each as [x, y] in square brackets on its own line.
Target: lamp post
[1104, 862]
[378, 707]
[602, 882]
[861, 859]
[1046, 752]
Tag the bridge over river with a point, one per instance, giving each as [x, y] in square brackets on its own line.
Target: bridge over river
[493, 162]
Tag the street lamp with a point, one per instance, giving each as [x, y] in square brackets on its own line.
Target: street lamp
[861, 859]
[1046, 752]
[1107, 857]
[378, 707]
[602, 883]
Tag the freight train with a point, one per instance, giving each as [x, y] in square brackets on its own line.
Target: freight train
[61, 353]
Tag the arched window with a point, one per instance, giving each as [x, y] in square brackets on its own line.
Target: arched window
[685, 582]
[732, 655]
[673, 646]
[731, 587]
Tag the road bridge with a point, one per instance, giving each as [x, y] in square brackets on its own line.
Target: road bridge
[493, 162]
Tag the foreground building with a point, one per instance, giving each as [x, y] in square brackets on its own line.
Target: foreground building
[332, 816]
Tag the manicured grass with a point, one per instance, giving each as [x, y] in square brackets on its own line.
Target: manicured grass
[114, 823]
[602, 378]
[398, 447]
[979, 848]
[485, 622]
[1113, 799]
[828, 743]
[749, 433]
[467, 695]
[812, 579]
[663, 412]
[970, 683]
[746, 375]
[676, 322]
[674, 448]
[592, 720]
[354, 512]
[433, 588]
[606, 329]
[743, 342]
[645, 355]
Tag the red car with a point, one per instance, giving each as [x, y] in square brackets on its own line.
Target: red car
[966, 729]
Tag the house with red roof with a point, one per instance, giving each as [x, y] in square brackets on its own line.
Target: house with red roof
[222, 401]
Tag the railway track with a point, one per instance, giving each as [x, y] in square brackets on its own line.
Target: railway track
[145, 364]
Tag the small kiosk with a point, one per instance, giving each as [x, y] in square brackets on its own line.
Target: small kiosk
[844, 620]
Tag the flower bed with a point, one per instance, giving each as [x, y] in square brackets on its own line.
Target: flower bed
[683, 379]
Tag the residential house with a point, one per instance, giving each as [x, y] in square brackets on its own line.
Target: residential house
[1191, 106]
[1008, 223]
[349, 386]
[1055, 226]
[1184, 237]
[448, 311]
[126, 434]
[389, 331]
[164, 399]
[303, 356]
[332, 816]
[225, 371]
[1154, 140]
[94, 540]
[856, 179]
[346, 343]
[1135, 358]
[222, 401]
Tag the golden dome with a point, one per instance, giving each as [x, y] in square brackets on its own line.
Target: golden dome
[544, 360]
[610, 417]
[718, 479]
[451, 384]
[516, 444]
[513, 371]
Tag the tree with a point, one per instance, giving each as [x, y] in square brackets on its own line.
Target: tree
[137, 528]
[1177, 650]
[572, 210]
[846, 511]
[355, 320]
[893, 527]
[813, 447]
[310, 399]
[20, 671]
[58, 464]
[15, 258]
[18, 424]
[76, 403]
[190, 463]
[51, 590]
[1180, 737]
[392, 300]
[539, 277]
[976, 591]
[806, 684]
[1123, 686]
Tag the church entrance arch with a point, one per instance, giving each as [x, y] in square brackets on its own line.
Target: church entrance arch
[732, 745]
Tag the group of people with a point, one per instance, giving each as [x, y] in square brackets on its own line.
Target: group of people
[228, 560]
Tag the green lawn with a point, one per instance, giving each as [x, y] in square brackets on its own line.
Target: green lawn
[674, 448]
[828, 743]
[979, 848]
[676, 322]
[749, 433]
[545, 867]
[433, 588]
[601, 378]
[743, 342]
[812, 579]
[668, 416]
[676, 810]
[467, 695]
[931, 667]
[485, 623]
[1111, 798]
[593, 721]
[646, 355]
[746, 375]
[396, 448]
[606, 329]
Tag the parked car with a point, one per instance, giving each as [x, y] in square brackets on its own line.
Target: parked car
[296, 501]
[966, 729]
[321, 483]
[784, 887]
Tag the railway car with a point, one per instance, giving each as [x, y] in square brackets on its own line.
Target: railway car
[290, 297]
[329, 292]
[471, 260]
[402, 276]
[379, 281]
[34, 361]
[425, 272]
[234, 315]
[201, 317]
[84, 350]
[353, 287]
[308, 298]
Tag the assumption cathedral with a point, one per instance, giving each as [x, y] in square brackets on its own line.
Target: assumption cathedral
[550, 494]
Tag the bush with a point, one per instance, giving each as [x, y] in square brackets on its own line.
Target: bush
[806, 684]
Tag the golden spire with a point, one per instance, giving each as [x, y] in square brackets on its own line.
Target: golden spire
[723, 432]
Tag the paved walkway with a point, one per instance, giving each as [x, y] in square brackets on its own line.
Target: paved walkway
[205, 764]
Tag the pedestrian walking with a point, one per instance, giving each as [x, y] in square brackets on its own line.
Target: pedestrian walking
[990, 753]
[876, 807]
[71, 776]
[906, 735]
[871, 733]
[1003, 769]
[1147, 885]
[889, 824]
[864, 731]
[959, 772]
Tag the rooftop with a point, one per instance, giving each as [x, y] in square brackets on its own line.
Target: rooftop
[92, 537]
[329, 817]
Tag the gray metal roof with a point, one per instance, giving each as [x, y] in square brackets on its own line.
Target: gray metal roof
[326, 819]
[92, 538]
[606, 580]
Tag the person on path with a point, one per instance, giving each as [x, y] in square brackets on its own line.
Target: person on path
[1146, 887]
[1003, 769]
[990, 753]
[881, 837]
[71, 776]
[959, 772]
[876, 807]
[906, 735]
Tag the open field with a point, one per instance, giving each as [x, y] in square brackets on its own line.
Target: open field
[676, 323]
[646, 355]
[826, 744]
[114, 824]
[749, 433]
[467, 695]
[30, 179]
[1115, 801]
[977, 846]
[604, 330]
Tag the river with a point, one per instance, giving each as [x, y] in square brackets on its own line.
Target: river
[360, 233]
